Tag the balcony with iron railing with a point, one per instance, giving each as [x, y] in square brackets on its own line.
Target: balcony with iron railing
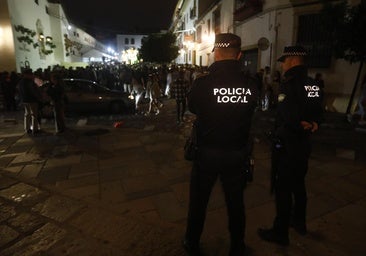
[245, 9]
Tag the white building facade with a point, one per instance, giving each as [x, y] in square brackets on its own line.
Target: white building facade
[37, 34]
[265, 27]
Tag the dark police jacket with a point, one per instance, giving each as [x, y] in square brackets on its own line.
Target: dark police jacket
[299, 100]
[223, 101]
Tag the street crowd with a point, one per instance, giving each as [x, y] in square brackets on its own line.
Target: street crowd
[148, 84]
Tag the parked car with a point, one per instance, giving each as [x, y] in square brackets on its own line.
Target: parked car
[88, 96]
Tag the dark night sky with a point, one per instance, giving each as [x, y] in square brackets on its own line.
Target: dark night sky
[106, 18]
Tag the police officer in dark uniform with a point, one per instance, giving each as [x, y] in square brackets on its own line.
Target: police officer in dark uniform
[223, 102]
[298, 116]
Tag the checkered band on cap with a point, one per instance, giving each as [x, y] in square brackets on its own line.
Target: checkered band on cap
[222, 45]
[295, 54]
[293, 51]
[227, 40]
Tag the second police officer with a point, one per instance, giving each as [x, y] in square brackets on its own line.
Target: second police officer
[223, 102]
[298, 116]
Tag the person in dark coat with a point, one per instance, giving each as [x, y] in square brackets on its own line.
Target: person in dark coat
[31, 97]
[299, 114]
[56, 92]
[178, 91]
[223, 102]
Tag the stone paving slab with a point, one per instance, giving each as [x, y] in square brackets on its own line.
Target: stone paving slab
[83, 192]
[24, 194]
[24, 158]
[84, 168]
[5, 160]
[131, 237]
[6, 182]
[169, 208]
[7, 234]
[112, 192]
[62, 161]
[27, 222]
[77, 244]
[31, 171]
[6, 212]
[54, 175]
[342, 229]
[36, 243]
[58, 208]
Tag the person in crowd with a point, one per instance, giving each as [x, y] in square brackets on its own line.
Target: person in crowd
[168, 83]
[8, 86]
[56, 92]
[179, 91]
[137, 89]
[31, 98]
[155, 94]
[259, 77]
[223, 102]
[361, 103]
[275, 88]
[266, 89]
[299, 114]
[151, 94]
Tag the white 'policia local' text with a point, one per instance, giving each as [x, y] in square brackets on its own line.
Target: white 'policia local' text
[312, 90]
[231, 95]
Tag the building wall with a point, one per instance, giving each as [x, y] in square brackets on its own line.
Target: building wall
[7, 51]
[53, 24]
[59, 26]
[34, 18]
[278, 23]
[121, 43]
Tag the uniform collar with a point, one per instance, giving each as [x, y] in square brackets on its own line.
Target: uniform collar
[226, 65]
[296, 71]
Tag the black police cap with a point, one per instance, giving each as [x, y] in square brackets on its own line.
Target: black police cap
[296, 50]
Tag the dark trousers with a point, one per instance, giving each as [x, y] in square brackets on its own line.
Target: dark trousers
[181, 109]
[59, 112]
[228, 167]
[291, 164]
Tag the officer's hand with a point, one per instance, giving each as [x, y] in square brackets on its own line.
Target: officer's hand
[315, 126]
[306, 125]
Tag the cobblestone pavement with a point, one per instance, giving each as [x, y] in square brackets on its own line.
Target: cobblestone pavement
[100, 190]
